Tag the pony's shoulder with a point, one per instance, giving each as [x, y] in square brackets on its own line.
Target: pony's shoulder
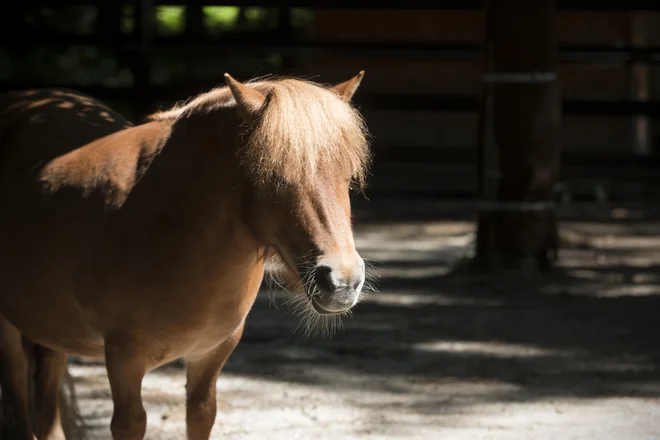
[110, 166]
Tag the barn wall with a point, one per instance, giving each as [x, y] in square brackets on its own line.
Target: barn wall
[584, 81]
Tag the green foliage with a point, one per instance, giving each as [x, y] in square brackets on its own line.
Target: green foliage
[260, 18]
[83, 65]
[86, 65]
[302, 18]
[170, 20]
[127, 23]
[220, 18]
[75, 19]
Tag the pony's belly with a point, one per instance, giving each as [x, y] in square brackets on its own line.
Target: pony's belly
[81, 346]
[58, 327]
[169, 335]
[189, 331]
[62, 330]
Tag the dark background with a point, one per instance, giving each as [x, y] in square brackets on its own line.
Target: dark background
[421, 88]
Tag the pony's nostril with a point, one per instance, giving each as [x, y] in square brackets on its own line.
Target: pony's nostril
[337, 290]
[324, 279]
[331, 281]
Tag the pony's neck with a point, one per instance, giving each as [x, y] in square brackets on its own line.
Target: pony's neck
[199, 157]
[197, 181]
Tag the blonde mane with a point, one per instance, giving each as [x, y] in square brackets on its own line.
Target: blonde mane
[305, 128]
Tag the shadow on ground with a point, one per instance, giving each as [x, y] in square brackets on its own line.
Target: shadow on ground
[592, 332]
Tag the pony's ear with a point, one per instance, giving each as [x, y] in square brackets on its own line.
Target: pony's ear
[347, 89]
[248, 99]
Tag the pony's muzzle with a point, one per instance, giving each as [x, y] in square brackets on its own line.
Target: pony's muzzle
[338, 289]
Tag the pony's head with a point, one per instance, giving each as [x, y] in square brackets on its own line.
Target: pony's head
[303, 148]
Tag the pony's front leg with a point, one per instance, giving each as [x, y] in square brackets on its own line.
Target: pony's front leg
[15, 420]
[126, 364]
[50, 369]
[201, 375]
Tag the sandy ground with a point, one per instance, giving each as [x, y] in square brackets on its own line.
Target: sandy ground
[437, 357]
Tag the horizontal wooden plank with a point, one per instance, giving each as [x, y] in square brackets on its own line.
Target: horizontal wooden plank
[437, 102]
[268, 43]
[458, 160]
[573, 27]
[579, 133]
[459, 180]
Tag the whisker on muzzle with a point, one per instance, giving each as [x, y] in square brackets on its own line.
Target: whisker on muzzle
[313, 323]
[371, 279]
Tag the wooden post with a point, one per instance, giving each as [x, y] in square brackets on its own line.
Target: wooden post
[640, 83]
[108, 24]
[194, 23]
[522, 103]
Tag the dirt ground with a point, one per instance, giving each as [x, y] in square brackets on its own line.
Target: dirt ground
[438, 357]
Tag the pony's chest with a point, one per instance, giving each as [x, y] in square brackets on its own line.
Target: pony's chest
[196, 334]
[201, 320]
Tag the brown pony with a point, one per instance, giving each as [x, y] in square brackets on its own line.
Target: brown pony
[143, 244]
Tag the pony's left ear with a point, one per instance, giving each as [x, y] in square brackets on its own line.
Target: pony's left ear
[249, 100]
[347, 89]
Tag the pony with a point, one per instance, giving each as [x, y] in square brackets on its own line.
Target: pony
[142, 244]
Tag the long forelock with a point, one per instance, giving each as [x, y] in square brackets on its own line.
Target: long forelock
[303, 129]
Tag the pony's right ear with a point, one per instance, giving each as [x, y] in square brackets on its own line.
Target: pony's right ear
[249, 100]
[347, 89]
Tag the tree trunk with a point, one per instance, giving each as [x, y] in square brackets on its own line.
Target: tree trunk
[521, 115]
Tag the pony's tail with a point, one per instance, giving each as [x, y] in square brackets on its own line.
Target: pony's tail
[72, 421]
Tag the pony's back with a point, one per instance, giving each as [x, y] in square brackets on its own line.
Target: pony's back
[41, 124]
